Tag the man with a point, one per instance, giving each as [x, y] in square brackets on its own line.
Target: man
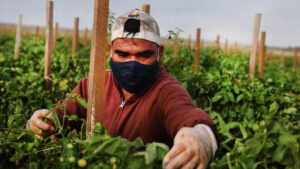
[143, 100]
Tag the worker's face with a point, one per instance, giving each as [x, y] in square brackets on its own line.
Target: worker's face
[138, 50]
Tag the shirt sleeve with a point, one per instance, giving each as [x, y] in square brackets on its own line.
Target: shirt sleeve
[180, 111]
[72, 107]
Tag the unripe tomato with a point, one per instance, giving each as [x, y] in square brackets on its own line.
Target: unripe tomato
[81, 162]
[71, 159]
[70, 146]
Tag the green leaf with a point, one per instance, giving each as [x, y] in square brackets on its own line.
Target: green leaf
[236, 89]
[279, 153]
[231, 97]
[239, 98]
[244, 132]
[82, 102]
[216, 98]
[56, 121]
[274, 107]
[250, 113]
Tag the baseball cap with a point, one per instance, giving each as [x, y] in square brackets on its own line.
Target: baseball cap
[136, 24]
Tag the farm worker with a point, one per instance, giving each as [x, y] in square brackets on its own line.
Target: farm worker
[142, 99]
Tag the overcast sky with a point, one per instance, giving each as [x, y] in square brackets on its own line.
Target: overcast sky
[232, 19]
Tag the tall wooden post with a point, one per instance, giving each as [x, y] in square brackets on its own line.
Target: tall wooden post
[261, 54]
[18, 38]
[254, 46]
[75, 35]
[197, 49]
[295, 59]
[37, 29]
[271, 57]
[201, 45]
[175, 46]
[85, 37]
[218, 42]
[282, 58]
[48, 43]
[226, 46]
[97, 65]
[146, 8]
[189, 41]
[55, 36]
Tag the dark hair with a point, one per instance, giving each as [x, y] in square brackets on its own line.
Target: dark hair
[132, 26]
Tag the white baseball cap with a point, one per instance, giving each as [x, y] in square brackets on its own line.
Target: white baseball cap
[136, 24]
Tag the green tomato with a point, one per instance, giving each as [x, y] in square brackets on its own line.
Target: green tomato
[81, 162]
[69, 146]
[113, 160]
[71, 159]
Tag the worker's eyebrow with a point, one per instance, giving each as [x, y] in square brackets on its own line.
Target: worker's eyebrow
[120, 52]
[146, 52]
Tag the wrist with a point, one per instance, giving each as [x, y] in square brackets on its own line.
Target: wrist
[211, 139]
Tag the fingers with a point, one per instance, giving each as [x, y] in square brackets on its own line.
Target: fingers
[192, 163]
[175, 151]
[201, 166]
[42, 125]
[44, 113]
[181, 159]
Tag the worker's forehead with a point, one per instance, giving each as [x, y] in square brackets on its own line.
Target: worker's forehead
[125, 42]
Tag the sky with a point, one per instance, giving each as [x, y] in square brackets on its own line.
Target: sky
[231, 19]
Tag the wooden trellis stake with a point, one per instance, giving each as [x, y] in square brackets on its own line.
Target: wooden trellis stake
[261, 54]
[218, 42]
[37, 29]
[254, 46]
[55, 36]
[197, 49]
[295, 59]
[75, 35]
[282, 58]
[18, 38]
[189, 41]
[85, 37]
[201, 45]
[270, 57]
[97, 65]
[146, 8]
[226, 46]
[48, 43]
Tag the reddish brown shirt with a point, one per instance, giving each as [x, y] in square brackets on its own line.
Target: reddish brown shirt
[155, 114]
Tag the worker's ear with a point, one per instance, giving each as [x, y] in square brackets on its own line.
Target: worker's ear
[161, 52]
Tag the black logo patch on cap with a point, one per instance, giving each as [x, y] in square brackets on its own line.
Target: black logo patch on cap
[132, 26]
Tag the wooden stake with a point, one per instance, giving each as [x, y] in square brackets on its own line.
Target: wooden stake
[254, 46]
[295, 59]
[218, 42]
[201, 45]
[55, 36]
[261, 54]
[146, 8]
[66, 39]
[235, 48]
[282, 58]
[48, 43]
[75, 36]
[197, 49]
[97, 65]
[175, 46]
[85, 37]
[18, 38]
[226, 46]
[189, 41]
[37, 29]
[270, 57]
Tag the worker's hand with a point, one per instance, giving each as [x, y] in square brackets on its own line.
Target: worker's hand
[193, 148]
[36, 122]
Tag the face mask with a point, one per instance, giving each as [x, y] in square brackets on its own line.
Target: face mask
[134, 76]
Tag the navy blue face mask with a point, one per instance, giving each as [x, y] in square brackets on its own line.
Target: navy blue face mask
[134, 76]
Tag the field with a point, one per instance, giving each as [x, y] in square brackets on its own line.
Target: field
[258, 121]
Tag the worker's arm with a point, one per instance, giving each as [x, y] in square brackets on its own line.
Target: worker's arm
[193, 148]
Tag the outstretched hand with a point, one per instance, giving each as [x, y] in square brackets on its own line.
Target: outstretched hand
[193, 148]
[36, 122]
